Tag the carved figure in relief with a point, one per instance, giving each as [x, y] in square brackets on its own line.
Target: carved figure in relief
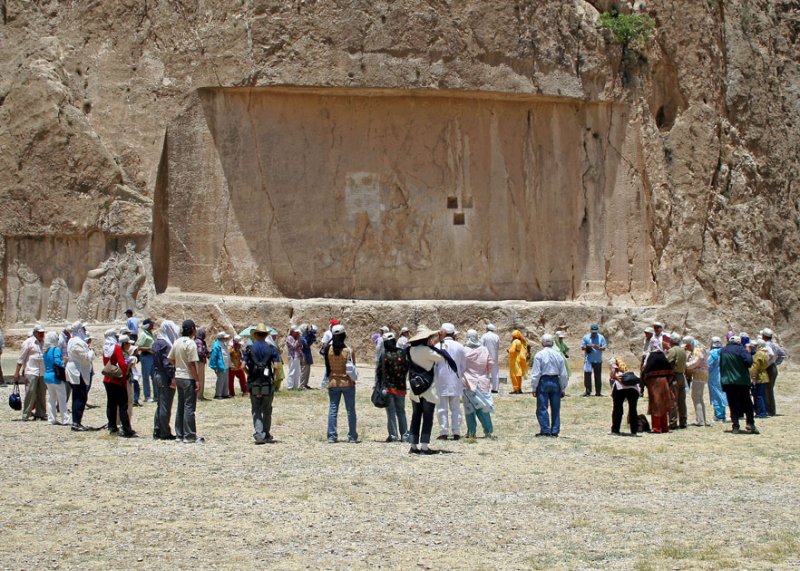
[25, 292]
[58, 301]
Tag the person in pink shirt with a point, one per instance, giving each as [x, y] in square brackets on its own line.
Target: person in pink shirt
[478, 402]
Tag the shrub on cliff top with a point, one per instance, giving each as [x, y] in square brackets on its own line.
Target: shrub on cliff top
[630, 30]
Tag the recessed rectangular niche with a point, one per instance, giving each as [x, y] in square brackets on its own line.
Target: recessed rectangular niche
[385, 177]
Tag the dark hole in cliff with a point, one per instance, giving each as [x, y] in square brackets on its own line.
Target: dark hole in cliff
[452, 202]
[87, 107]
[458, 218]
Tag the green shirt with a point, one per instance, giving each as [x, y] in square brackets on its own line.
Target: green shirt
[677, 358]
[145, 339]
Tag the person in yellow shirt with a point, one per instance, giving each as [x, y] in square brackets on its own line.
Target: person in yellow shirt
[517, 361]
[759, 378]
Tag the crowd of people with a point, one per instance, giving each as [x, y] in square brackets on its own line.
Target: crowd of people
[445, 379]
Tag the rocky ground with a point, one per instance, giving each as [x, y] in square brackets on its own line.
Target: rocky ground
[694, 499]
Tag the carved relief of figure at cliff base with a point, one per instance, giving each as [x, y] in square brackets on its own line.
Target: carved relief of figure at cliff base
[24, 293]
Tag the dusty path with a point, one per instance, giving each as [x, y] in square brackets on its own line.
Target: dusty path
[584, 501]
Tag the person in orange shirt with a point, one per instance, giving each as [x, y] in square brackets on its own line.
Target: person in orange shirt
[517, 361]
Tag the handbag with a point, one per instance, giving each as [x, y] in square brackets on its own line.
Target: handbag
[350, 367]
[14, 400]
[112, 370]
[379, 393]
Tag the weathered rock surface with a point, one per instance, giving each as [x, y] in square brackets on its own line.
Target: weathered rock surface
[151, 146]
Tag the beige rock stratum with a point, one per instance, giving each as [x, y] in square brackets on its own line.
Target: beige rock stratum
[303, 160]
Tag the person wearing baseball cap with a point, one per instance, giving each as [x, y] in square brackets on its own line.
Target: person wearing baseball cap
[677, 357]
[187, 382]
[734, 367]
[31, 363]
[449, 385]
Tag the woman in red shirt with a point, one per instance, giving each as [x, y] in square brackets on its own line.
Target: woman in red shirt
[116, 386]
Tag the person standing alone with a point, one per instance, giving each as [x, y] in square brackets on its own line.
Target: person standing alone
[549, 381]
[593, 344]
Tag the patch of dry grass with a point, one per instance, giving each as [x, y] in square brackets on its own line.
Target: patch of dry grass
[694, 499]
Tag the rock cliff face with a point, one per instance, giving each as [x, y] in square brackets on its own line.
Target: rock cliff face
[400, 150]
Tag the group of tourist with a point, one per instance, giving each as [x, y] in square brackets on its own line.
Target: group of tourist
[441, 374]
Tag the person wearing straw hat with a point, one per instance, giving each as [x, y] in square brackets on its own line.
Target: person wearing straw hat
[491, 340]
[260, 358]
[340, 384]
[220, 362]
[423, 356]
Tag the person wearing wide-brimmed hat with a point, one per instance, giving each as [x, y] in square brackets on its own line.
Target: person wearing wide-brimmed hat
[260, 358]
[424, 356]
[491, 340]
[220, 362]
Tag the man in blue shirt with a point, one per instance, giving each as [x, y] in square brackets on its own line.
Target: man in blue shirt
[308, 336]
[259, 360]
[593, 345]
[132, 323]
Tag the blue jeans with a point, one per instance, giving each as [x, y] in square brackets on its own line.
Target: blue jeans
[760, 400]
[335, 395]
[549, 394]
[396, 416]
[146, 360]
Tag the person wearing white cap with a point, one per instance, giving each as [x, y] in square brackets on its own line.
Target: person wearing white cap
[31, 362]
[777, 355]
[491, 340]
[402, 341]
[79, 372]
[549, 380]
[449, 385]
[758, 374]
[734, 366]
[220, 362]
[717, 396]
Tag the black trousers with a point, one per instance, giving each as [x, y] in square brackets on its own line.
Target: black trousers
[740, 403]
[117, 405]
[597, 369]
[421, 411]
[79, 394]
[619, 397]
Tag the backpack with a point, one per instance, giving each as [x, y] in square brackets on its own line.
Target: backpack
[419, 379]
[629, 379]
[260, 377]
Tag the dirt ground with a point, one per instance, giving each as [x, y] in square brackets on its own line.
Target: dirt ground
[694, 499]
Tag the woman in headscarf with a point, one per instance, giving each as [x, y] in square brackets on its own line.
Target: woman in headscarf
[478, 400]
[697, 377]
[718, 399]
[79, 373]
[340, 384]
[517, 361]
[164, 376]
[422, 359]
[202, 354]
[220, 362]
[620, 392]
[126, 343]
[116, 386]
[657, 375]
[392, 372]
[56, 388]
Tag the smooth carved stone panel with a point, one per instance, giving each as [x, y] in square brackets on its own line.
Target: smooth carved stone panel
[400, 195]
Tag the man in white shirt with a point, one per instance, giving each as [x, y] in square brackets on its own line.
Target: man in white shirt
[31, 364]
[184, 356]
[549, 381]
[449, 385]
[491, 341]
